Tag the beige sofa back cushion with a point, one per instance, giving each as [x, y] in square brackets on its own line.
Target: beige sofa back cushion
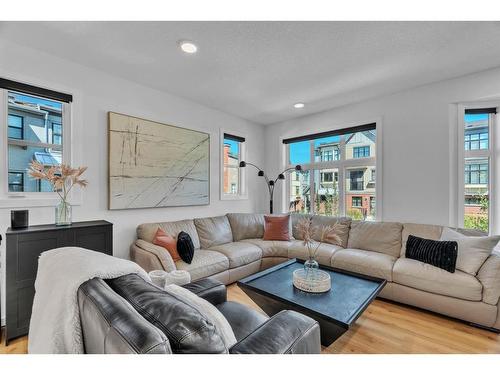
[321, 221]
[431, 232]
[147, 231]
[375, 236]
[295, 218]
[213, 231]
[246, 226]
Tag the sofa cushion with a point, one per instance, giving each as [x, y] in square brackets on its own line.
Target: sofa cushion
[431, 232]
[365, 262]
[376, 236]
[324, 254]
[239, 253]
[472, 251]
[246, 226]
[213, 231]
[271, 248]
[207, 310]
[187, 330]
[277, 227]
[489, 276]
[425, 277]
[205, 263]
[147, 231]
[321, 221]
[295, 218]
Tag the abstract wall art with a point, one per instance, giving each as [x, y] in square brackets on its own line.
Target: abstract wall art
[156, 165]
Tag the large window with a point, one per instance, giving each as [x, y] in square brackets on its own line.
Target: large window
[478, 153]
[232, 181]
[338, 175]
[35, 122]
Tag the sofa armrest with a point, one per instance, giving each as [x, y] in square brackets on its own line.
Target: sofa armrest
[151, 257]
[287, 332]
[209, 289]
[489, 276]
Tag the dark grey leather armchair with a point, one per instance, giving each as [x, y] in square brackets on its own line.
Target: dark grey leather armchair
[129, 315]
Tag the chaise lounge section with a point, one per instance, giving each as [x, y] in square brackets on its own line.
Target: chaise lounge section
[231, 247]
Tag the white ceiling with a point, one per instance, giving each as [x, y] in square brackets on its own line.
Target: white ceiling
[257, 70]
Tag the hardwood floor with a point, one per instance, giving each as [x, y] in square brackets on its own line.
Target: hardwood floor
[384, 328]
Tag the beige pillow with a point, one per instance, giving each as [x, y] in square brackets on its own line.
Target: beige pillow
[472, 251]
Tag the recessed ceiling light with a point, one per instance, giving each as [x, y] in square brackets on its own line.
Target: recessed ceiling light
[188, 46]
[299, 105]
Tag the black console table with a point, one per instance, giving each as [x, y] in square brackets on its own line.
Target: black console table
[24, 246]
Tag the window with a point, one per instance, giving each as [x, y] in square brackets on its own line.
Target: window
[478, 153]
[332, 177]
[16, 126]
[233, 148]
[35, 124]
[56, 133]
[357, 202]
[16, 181]
[361, 152]
[356, 180]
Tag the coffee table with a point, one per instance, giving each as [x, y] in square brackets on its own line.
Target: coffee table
[335, 310]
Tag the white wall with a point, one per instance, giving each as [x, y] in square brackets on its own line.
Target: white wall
[418, 163]
[96, 93]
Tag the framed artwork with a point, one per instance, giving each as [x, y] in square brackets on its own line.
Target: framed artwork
[156, 165]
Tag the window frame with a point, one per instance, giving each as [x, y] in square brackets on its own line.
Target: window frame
[242, 180]
[342, 164]
[33, 199]
[462, 154]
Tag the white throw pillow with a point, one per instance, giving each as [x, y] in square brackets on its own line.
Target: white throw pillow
[209, 312]
[472, 251]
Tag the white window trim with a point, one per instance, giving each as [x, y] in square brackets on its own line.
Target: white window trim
[491, 154]
[340, 164]
[243, 182]
[34, 199]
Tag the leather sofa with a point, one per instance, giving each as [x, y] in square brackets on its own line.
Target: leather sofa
[231, 247]
[127, 315]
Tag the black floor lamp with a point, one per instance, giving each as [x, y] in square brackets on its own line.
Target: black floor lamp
[271, 183]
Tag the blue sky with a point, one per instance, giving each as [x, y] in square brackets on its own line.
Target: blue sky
[482, 116]
[34, 100]
[233, 146]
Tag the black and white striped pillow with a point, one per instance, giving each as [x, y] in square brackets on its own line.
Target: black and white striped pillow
[442, 254]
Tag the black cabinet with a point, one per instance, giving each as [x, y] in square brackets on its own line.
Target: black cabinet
[24, 246]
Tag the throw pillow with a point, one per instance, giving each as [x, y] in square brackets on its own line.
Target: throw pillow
[472, 251]
[168, 242]
[185, 247]
[442, 254]
[277, 228]
[207, 310]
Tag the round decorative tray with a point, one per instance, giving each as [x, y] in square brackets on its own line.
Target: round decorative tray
[312, 281]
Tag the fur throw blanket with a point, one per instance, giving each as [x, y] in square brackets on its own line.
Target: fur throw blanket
[55, 320]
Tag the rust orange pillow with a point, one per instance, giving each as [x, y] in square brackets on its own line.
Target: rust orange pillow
[277, 228]
[168, 242]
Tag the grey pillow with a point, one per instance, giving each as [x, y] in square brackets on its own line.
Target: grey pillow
[472, 251]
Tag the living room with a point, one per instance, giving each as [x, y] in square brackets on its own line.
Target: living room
[311, 186]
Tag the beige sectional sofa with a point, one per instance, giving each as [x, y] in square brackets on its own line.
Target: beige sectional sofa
[231, 247]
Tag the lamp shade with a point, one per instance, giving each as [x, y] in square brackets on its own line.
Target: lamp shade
[243, 164]
[298, 167]
[260, 174]
[281, 176]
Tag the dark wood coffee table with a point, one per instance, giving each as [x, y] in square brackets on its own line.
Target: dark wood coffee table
[335, 310]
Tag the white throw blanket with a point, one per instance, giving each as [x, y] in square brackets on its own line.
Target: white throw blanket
[55, 320]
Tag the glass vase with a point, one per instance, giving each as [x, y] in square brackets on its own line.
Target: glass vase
[63, 213]
[311, 265]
